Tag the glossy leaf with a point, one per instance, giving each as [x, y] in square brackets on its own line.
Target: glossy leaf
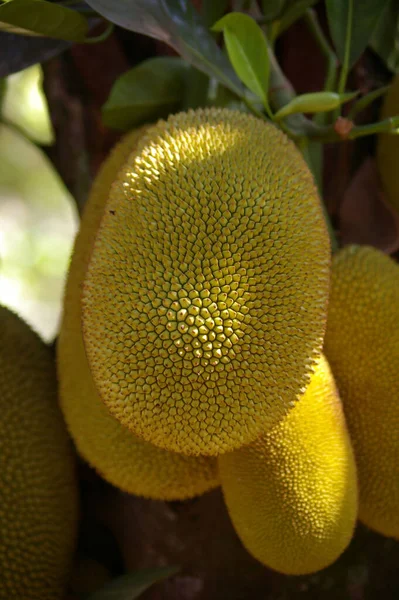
[247, 49]
[152, 89]
[37, 17]
[132, 585]
[177, 23]
[314, 103]
[272, 9]
[353, 21]
[385, 39]
[17, 52]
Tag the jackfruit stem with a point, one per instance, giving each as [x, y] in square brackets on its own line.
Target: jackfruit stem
[343, 76]
[329, 54]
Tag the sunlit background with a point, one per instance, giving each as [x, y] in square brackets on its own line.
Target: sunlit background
[38, 218]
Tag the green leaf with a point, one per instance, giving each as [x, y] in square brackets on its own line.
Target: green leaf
[212, 10]
[17, 52]
[351, 24]
[385, 39]
[367, 100]
[25, 105]
[132, 585]
[247, 49]
[177, 23]
[314, 103]
[152, 89]
[37, 17]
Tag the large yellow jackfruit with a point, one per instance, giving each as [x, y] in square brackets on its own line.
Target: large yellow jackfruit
[388, 147]
[292, 494]
[38, 491]
[123, 459]
[204, 302]
[362, 345]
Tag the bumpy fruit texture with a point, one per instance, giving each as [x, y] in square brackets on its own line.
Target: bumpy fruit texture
[119, 456]
[205, 299]
[38, 491]
[292, 494]
[362, 345]
[388, 148]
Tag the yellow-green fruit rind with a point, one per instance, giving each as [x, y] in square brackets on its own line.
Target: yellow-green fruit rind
[388, 148]
[38, 490]
[119, 456]
[205, 299]
[292, 494]
[362, 345]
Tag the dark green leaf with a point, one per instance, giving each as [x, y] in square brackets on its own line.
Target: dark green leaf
[356, 19]
[196, 89]
[17, 52]
[272, 9]
[176, 23]
[247, 49]
[132, 585]
[37, 17]
[212, 10]
[293, 13]
[367, 100]
[315, 157]
[385, 39]
[152, 89]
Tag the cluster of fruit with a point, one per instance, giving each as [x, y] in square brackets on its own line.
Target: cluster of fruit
[195, 315]
[201, 309]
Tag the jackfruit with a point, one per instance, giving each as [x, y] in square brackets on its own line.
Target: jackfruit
[205, 299]
[292, 494]
[362, 345]
[118, 455]
[38, 490]
[388, 147]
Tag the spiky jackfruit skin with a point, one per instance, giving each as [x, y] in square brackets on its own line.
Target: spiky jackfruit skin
[38, 490]
[119, 456]
[362, 345]
[292, 494]
[204, 303]
[388, 147]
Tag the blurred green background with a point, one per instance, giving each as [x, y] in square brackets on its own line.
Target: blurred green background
[38, 217]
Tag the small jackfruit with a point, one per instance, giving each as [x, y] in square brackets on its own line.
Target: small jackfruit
[362, 345]
[38, 490]
[205, 299]
[292, 494]
[388, 147]
[118, 455]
